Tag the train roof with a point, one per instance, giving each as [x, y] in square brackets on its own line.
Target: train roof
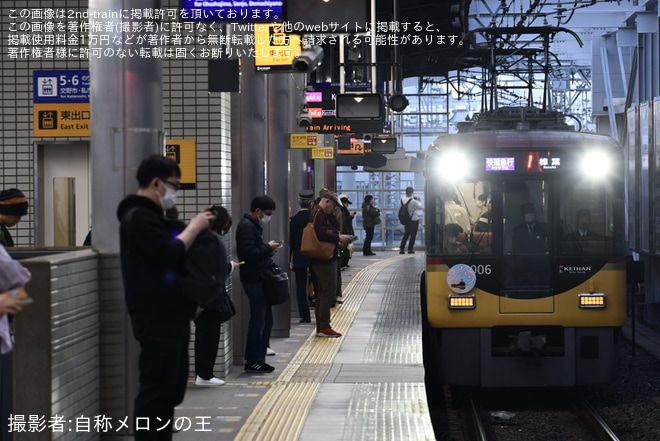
[532, 139]
[519, 128]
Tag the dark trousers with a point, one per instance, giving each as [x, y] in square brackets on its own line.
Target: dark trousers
[6, 394]
[409, 232]
[207, 338]
[326, 278]
[369, 236]
[301, 292]
[260, 324]
[163, 367]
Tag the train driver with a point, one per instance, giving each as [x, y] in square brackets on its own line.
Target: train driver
[531, 236]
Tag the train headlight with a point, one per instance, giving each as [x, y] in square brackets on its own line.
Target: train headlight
[450, 166]
[596, 164]
[592, 300]
[462, 301]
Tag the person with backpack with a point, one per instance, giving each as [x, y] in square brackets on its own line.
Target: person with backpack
[408, 218]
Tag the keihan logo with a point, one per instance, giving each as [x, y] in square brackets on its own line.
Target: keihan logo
[563, 269]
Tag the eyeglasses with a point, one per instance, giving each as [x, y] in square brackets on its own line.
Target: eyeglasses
[175, 185]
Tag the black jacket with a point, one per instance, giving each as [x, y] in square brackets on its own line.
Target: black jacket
[251, 249]
[151, 262]
[207, 270]
[297, 224]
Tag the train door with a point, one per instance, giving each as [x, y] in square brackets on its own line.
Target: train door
[527, 243]
[63, 186]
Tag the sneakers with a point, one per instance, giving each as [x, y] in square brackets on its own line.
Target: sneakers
[305, 320]
[328, 332]
[269, 351]
[213, 381]
[258, 367]
[411, 252]
[402, 252]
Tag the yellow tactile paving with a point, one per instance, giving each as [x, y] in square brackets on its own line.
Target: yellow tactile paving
[282, 411]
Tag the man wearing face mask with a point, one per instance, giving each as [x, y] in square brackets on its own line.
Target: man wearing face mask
[530, 237]
[257, 255]
[152, 257]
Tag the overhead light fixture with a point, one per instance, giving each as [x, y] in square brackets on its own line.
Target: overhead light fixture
[308, 59]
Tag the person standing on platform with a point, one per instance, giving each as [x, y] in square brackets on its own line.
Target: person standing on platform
[152, 257]
[300, 262]
[346, 225]
[327, 230]
[13, 275]
[13, 206]
[411, 227]
[370, 218]
[257, 255]
[209, 250]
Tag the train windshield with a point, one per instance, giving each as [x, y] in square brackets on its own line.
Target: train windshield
[528, 228]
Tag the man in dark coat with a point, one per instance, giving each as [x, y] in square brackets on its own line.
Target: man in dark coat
[151, 260]
[530, 237]
[257, 255]
[299, 262]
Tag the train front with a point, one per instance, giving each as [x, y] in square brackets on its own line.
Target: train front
[525, 277]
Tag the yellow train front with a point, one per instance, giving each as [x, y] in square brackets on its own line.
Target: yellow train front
[525, 268]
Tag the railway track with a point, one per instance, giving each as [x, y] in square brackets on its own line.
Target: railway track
[576, 420]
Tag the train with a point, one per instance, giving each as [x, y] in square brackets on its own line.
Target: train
[525, 277]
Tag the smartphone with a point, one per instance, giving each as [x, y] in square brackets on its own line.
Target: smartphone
[26, 301]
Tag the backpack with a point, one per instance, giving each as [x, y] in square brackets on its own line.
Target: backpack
[404, 213]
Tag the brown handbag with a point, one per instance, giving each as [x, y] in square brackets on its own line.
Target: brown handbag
[314, 248]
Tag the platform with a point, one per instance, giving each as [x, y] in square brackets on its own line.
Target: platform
[366, 385]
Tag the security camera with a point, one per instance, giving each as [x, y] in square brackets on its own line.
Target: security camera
[304, 116]
[308, 59]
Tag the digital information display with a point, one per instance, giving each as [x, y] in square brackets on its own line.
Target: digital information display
[507, 163]
[247, 11]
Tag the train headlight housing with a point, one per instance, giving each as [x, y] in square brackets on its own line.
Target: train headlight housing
[462, 301]
[593, 300]
[596, 164]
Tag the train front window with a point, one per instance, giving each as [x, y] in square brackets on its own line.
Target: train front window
[459, 218]
[586, 219]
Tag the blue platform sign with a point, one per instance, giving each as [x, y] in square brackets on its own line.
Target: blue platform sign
[61, 86]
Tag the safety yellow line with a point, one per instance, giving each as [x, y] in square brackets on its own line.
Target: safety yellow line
[280, 414]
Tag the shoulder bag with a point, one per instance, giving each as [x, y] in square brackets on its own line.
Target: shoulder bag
[314, 248]
[275, 285]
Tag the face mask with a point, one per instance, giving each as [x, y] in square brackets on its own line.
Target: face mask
[530, 217]
[264, 220]
[169, 200]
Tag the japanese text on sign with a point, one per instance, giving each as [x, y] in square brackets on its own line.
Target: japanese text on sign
[51, 33]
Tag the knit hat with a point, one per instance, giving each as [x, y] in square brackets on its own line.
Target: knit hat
[13, 202]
